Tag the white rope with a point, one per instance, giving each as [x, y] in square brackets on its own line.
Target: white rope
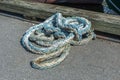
[52, 39]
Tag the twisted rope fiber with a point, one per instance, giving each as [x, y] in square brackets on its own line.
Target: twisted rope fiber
[52, 39]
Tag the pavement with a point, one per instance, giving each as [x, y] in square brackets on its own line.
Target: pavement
[98, 60]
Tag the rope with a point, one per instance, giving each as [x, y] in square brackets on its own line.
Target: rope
[52, 39]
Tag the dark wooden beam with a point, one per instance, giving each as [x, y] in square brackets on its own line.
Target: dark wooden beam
[100, 21]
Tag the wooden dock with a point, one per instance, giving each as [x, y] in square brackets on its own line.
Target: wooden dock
[100, 21]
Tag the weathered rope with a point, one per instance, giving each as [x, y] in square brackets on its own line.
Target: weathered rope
[52, 39]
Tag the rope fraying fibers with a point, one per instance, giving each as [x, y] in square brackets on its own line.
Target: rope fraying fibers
[52, 39]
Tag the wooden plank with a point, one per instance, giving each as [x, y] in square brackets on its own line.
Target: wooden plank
[100, 21]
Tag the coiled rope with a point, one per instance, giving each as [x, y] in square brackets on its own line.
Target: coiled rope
[52, 39]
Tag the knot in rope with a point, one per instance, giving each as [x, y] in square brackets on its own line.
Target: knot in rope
[52, 39]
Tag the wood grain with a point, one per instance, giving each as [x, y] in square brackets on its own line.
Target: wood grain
[100, 21]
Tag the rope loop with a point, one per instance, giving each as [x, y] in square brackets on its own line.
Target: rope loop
[52, 39]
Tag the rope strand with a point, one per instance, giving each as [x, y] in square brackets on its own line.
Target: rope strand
[52, 39]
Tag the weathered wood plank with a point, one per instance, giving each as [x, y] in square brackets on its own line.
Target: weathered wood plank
[100, 21]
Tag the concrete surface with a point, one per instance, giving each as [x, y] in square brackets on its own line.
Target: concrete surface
[99, 60]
